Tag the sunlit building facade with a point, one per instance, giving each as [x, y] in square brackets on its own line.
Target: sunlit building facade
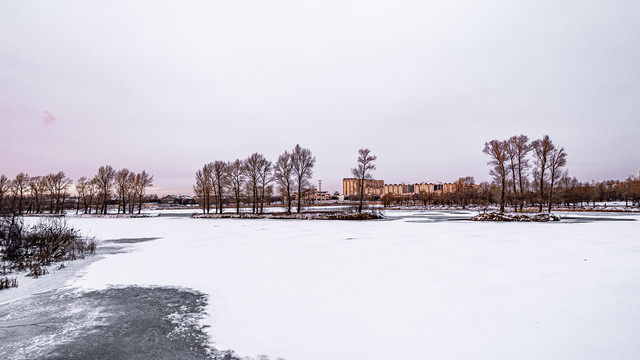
[372, 187]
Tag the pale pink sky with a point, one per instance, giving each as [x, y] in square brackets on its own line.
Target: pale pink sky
[169, 86]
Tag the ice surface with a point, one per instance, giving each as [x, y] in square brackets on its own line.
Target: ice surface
[412, 286]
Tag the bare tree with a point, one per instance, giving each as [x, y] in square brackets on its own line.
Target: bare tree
[143, 180]
[122, 181]
[236, 179]
[82, 185]
[253, 170]
[465, 190]
[203, 187]
[496, 150]
[265, 179]
[105, 181]
[58, 185]
[283, 173]
[362, 172]
[4, 189]
[557, 160]
[303, 162]
[130, 192]
[37, 187]
[18, 189]
[517, 149]
[542, 149]
[50, 188]
[91, 192]
[248, 191]
[219, 181]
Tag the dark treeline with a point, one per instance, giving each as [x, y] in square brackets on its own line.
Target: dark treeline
[50, 193]
[255, 181]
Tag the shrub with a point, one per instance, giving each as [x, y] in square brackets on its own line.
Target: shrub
[6, 282]
[37, 246]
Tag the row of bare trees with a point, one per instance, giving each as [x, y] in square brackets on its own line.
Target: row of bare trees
[511, 168]
[568, 193]
[253, 179]
[50, 193]
[128, 187]
[34, 194]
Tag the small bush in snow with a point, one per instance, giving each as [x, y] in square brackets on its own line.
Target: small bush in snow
[35, 247]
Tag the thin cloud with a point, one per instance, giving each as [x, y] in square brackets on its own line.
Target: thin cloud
[49, 119]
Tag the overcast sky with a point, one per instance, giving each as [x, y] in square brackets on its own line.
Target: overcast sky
[170, 86]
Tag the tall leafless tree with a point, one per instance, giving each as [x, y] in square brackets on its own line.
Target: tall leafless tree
[50, 191]
[542, 149]
[4, 189]
[219, 182]
[362, 172]
[303, 162]
[122, 182]
[92, 191]
[283, 173]
[236, 175]
[130, 192]
[37, 187]
[58, 185]
[464, 189]
[203, 187]
[143, 180]
[105, 181]
[517, 149]
[266, 178]
[522, 149]
[497, 151]
[557, 160]
[82, 187]
[18, 189]
[253, 170]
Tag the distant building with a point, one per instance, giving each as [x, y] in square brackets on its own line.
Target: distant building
[434, 188]
[371, 187]
[170, 200]
[378, 187]
[311, 195]
[428, 188]
[178, 200]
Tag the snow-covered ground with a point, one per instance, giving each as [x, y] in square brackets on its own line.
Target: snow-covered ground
[413, 286]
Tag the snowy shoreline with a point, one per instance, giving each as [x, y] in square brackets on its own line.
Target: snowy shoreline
[293, 216]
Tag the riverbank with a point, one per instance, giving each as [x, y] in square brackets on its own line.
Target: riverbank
[337, 215]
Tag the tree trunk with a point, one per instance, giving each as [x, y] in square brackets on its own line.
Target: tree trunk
[551, 192]
[288, 198]
[361, 195]
[238, 201]
[542, 168]
[299, 194]
[502, 195]
[515, 192]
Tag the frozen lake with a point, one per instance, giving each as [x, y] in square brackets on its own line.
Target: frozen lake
[419, 284]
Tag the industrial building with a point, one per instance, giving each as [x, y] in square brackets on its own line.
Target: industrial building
[402, 189]
[378, 187]
[371, 187]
